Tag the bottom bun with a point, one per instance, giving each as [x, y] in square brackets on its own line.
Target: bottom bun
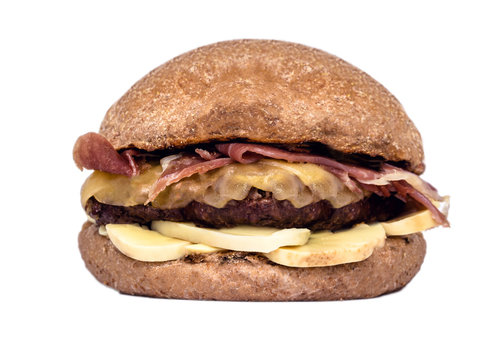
[233, 275]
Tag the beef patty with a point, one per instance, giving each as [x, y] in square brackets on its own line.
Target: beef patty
[259, 208]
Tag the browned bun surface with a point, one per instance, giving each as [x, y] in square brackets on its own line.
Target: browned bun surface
[232, 275]
[263, 91]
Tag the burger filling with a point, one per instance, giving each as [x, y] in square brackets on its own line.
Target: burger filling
[226, 185]
[240, 183]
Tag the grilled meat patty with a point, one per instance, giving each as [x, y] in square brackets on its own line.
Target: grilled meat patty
[259, 208]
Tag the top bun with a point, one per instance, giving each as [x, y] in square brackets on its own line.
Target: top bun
[263, 91]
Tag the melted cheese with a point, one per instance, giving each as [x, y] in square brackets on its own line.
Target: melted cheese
[301, 184]
[119, 189]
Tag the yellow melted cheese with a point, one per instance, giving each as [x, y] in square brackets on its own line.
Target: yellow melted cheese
[301, 184]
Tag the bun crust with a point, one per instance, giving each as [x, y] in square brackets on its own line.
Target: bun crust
[263, 91]
[234, 275]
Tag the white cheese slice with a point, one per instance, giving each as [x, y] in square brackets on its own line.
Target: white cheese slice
[327, 248]
[415, 222]
[410, 224]
[260, 242]
[145, 245]
[200, 249]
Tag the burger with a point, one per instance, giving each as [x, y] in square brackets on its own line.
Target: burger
[256, 170]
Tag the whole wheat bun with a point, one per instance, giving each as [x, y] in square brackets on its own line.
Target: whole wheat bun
[235, 275]
[263, 91]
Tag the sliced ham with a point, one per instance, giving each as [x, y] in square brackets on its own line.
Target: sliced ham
[94, 152]
[182, 167]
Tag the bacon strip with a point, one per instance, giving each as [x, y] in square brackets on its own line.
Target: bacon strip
[373, 188]
[134, 166]
[247, 153]
[403, 189]
[183, 167]
[345, 179]
[94, 152]
[242, 152]
[207, 155]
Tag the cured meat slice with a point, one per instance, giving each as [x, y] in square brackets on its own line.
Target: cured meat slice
[182, 167]
[94, 152]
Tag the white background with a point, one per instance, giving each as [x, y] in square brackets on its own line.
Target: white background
[63, 65]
